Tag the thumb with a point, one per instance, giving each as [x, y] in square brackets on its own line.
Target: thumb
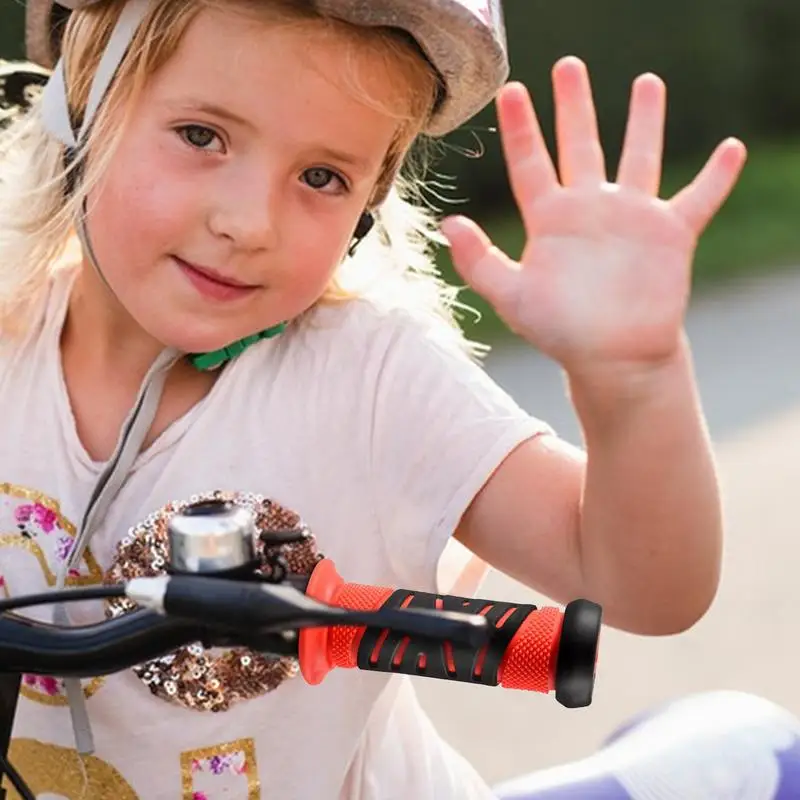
[486, 268]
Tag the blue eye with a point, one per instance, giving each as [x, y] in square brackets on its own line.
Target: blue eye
[322, 177]
[198, 136]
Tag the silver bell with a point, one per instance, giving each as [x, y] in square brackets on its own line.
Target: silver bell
[212, 536]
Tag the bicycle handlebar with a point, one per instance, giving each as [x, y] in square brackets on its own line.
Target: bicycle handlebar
[340, 625]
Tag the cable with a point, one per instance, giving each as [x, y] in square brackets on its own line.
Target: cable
[63, 596]
[16, 781]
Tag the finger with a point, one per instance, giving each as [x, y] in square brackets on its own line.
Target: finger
[643, 148]
[580, 155]
[698, 202]
[486, 268]
[531, 171]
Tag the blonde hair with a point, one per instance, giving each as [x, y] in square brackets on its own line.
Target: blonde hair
[37, 215]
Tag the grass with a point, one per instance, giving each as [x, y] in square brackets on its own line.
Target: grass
[757, 229]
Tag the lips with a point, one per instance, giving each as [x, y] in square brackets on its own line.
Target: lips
[213, 285]
[215, 276]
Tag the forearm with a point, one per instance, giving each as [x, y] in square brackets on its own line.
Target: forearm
[650, 529]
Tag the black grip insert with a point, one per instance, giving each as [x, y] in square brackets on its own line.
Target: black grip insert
[383, 650]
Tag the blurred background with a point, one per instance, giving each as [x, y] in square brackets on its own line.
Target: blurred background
[732, 67]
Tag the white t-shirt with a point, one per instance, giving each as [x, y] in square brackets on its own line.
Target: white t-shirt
[365, 425]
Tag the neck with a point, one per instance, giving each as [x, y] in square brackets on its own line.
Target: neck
[105, 356]
[109, 340]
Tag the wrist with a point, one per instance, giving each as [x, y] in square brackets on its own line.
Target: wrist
[616, 387]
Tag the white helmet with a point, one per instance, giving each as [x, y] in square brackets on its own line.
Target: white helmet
[464, 40]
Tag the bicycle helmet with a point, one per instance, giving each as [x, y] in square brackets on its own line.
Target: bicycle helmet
[464, 40]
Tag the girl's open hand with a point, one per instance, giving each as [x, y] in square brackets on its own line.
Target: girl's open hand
[605, 275]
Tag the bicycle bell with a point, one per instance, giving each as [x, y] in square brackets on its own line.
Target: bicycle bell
[213, 536]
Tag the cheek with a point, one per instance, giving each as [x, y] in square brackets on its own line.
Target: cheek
[136, 210]
[312, 257]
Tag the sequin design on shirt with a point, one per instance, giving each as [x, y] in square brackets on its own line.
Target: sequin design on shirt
[53, 771]
[193, 677]
[34, 524]
[226, 771]
[46, 533]
[49, 690]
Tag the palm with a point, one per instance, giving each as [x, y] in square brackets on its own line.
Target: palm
[605, 274]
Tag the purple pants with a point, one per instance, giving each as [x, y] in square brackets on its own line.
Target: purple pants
[710, 746]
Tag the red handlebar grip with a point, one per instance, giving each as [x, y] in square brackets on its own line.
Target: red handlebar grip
[530, 659]
[529, 662]
[343, 640]
[322, 649]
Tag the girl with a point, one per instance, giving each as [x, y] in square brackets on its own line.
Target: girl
[210, 219]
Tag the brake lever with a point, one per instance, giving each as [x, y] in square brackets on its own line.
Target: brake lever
[273, 608]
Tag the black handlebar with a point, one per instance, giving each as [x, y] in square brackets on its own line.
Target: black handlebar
[86, 651]
[113, 645]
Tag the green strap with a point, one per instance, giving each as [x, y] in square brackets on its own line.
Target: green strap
[208, 361]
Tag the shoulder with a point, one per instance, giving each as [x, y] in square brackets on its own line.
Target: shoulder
[374, 329]
[360, 352]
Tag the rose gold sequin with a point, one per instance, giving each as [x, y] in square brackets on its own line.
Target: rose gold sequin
[192, 676]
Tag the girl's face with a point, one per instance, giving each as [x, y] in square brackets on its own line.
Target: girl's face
[239, 180]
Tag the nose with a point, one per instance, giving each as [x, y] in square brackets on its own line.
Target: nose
[245, 209]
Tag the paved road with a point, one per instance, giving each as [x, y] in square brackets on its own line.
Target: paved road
[745, 343]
